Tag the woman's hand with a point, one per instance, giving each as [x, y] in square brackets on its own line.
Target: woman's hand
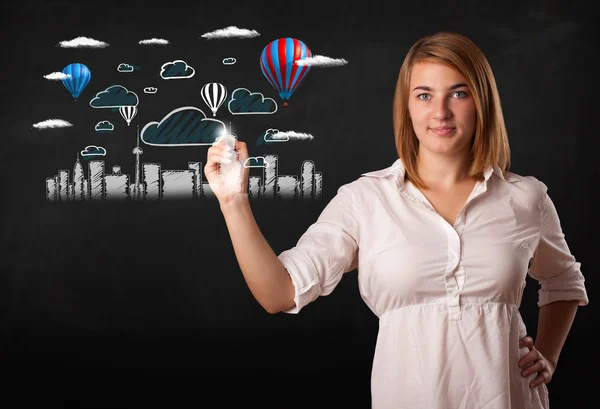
[225, 170]
[533, 362]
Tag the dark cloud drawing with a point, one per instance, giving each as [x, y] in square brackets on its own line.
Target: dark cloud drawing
[92, 151]
[104, 126]
[185, 126]
[125, 67]
[177, 69]
[244, 102]
[229, 61]
[256, 162]
[270, 135]
[150, 90]
[114, 96]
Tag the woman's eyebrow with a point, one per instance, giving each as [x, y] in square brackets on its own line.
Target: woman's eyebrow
[450, 88]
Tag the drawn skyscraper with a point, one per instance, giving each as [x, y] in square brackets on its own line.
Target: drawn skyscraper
[97, 183]
[51, 195]
[270, 187]
[136, 194]
[78, 191]
[307, 181]
[196, 167]
[63, 185]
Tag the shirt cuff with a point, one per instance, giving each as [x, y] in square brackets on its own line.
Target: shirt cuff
[306, 287]
[564, 287]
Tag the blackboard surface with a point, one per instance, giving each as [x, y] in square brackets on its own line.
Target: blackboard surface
[108, 304]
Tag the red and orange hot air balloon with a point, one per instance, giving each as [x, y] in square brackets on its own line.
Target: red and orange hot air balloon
[277, 63]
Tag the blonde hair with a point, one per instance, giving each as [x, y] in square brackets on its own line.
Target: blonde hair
[489, 145]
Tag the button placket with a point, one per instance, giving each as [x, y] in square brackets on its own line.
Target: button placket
[452, 287]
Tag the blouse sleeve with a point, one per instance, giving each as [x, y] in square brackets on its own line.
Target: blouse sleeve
[325, 251]
[553, 265]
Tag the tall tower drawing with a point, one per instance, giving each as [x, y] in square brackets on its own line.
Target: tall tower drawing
[137, 151]
[78, 183]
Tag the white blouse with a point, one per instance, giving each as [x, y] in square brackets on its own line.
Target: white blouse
[447, 297]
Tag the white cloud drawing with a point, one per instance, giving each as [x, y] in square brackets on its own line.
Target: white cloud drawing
[52, 123]
[157, 41]
[287, 135]
[231, 31]
[57, 76]
[321, 61]
[83, 42]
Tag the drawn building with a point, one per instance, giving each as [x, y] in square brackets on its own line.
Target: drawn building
[177, 184]
[117, 185]
[151, 185]
[97, 182]
[63, 185]
[78, 181]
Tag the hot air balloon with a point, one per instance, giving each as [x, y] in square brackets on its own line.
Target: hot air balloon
[79, 77]
[277, 63]
[213, 94]
[128, 112]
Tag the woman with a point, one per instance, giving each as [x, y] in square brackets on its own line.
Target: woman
[443, 240]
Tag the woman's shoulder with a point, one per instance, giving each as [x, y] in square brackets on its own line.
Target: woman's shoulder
[528, 187]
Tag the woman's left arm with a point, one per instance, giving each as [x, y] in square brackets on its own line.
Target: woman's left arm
[562, 291]
[554, 323]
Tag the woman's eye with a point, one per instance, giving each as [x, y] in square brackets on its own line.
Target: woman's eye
[426, 97]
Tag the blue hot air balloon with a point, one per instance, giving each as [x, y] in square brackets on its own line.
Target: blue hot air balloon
[79, 76]
[278, 65]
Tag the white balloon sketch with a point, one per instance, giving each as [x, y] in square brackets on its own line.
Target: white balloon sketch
[128, 112]
[214, 94]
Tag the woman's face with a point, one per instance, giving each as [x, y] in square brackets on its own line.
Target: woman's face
[442, 109]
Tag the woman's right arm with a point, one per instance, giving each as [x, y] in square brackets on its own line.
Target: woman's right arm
[265, 274]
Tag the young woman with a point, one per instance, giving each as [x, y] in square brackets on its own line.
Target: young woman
[443, 240]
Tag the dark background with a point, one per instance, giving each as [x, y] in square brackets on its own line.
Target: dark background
[138, 304]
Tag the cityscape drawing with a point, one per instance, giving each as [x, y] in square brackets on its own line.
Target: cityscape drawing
[151, 182]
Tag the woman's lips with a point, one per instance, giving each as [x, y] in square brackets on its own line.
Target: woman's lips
[442, 131]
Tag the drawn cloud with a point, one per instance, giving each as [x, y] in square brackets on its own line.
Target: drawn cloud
[92, 150]
[256, 162]
[150, 90]
[231, 32]
[104, 127]
[154, 41]
[245, 102]
[123, 67]
[113, 97]
[270, 135]
[273, 135]
[82, 42]
[57, 76]
[185, 126]
[176, 70]
[52, 123]
[321, 61]
[229, 61]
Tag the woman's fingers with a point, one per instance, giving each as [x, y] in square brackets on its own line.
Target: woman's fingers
[526, 340]
[537, 366]
[533, 362]
[543, 377]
